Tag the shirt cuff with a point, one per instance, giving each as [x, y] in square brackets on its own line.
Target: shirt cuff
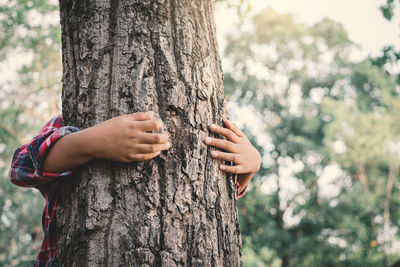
[38, 151]
[240, 192]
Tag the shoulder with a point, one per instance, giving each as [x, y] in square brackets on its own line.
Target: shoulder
[54, 123]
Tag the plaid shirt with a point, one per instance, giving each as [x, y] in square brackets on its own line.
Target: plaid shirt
[26, 171]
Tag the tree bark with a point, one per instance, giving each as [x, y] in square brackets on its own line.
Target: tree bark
[178, 209]
[362, 176]
[393, 174]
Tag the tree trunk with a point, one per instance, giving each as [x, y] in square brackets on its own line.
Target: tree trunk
[178, 209]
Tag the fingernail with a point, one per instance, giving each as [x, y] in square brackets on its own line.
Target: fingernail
[214, 153]
[222, 167]
[207, 139]
[168, 145]
[149, 113]
[212, 126]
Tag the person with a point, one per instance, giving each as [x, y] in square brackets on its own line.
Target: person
[57, 150]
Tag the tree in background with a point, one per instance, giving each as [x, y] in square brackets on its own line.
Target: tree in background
[325, 194]
[29, 32]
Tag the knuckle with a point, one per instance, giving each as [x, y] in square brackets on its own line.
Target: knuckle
[132, 126]
[133, 140]
[130, 158]
[153, 124]
[159, 138]
[235, 158]
[141, 158]
[228, 145]
[159, 124]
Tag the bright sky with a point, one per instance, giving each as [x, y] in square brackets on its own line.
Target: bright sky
[361, 18]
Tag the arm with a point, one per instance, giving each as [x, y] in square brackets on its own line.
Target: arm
[57, 150]
[26, 167]
[124, 138]
[239, 150]
[70, 151]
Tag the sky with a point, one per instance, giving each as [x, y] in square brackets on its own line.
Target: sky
[361, 18]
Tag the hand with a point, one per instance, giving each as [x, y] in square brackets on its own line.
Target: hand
[127, 138]
[238, 149]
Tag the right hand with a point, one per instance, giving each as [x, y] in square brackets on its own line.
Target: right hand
[127, 138]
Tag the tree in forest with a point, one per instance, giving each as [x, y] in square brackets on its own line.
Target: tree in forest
[29, 32]
[323, 114]
[121, 57]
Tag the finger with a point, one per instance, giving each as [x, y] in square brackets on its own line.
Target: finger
[232, 169]
[143, 157]
[230, 135]
[222, 144]
[234, 128]
[146, 148]
[235, 158]
[148, 125]
[153, 138]
[140, 116]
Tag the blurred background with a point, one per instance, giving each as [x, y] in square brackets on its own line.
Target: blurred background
[315, 86]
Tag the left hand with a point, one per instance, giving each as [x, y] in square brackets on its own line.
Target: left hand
[238, 149]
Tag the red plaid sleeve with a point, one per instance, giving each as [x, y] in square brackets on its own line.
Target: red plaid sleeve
[240, 192]
[26, 167]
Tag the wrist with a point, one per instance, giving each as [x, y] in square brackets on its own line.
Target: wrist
[244, 179]
[89, 140]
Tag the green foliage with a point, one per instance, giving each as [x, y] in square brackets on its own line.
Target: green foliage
[20, 212]
[23, 24]
[31, 29]
[322, 112]
[388, 9]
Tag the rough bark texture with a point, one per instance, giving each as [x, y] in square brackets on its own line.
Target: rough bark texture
[126, 56]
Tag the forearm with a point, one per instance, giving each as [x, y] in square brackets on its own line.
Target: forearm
[68, 152]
